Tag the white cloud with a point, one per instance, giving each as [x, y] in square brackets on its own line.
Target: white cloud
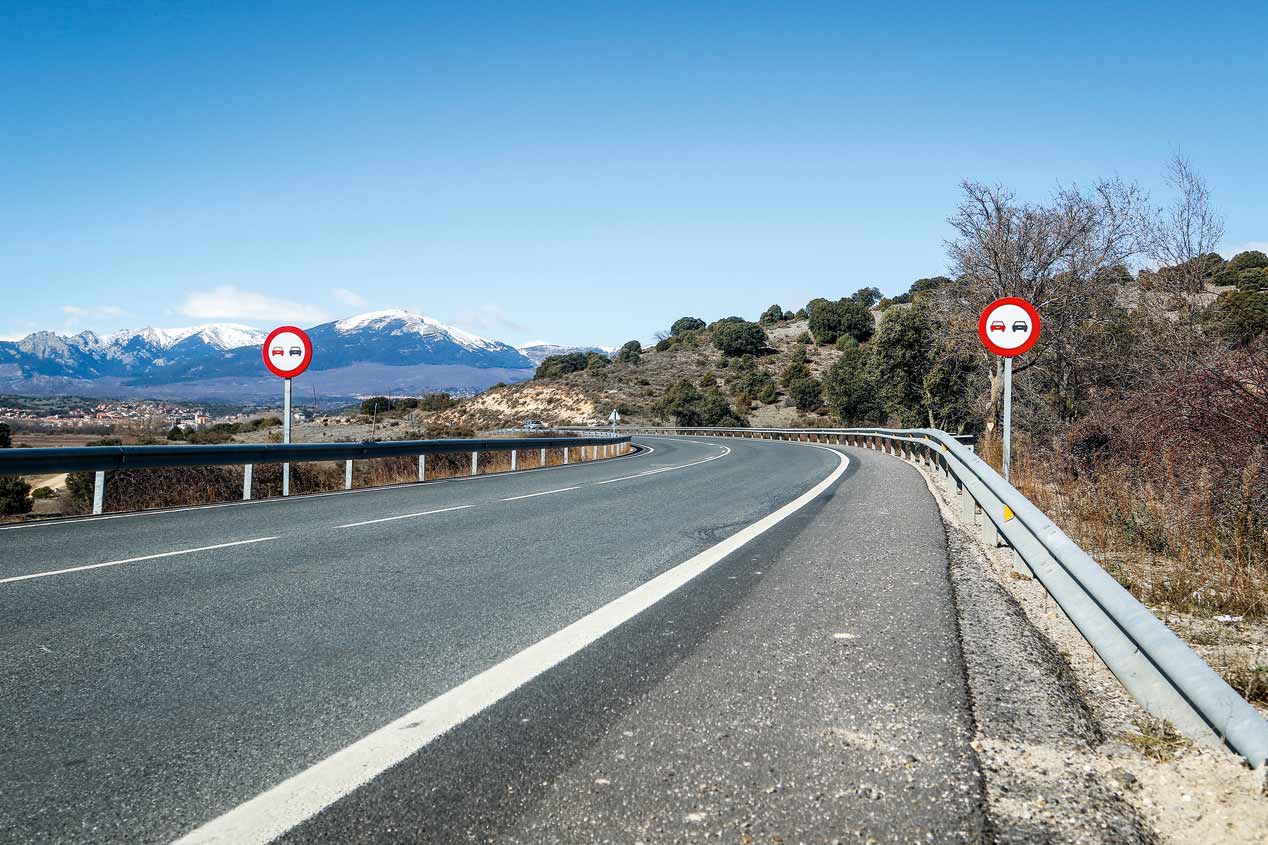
[1261, 246]
[13, 338]
[486, 319]
[229, 302]
[93, 311]
[348, 297]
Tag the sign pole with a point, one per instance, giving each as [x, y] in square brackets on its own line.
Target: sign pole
[1008, 415]
[286, 433]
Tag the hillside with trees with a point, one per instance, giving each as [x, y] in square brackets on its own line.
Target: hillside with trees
[1140, 417]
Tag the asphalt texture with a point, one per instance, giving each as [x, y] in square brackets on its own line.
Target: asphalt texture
[809, 686]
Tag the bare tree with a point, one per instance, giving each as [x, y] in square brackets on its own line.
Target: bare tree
[1055, 255]
[1178, 240]
[1180, 234]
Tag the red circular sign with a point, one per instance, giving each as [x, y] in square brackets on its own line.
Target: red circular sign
[287, 351]
[1009, 326]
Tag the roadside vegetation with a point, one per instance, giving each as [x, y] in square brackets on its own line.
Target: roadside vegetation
[1140, 418]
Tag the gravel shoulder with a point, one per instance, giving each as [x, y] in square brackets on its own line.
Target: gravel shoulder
[1068, 754]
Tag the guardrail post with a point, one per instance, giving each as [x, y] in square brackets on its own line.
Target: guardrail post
[566, 448]
[968, 508]
[347, 475]
[543, 463]
[98, 491]
[246, 482]
[514, 459]
[422, 467]
[475, 462]
[990, 536]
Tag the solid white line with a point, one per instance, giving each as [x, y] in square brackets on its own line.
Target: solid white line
[726, 450]
[543, 493]
[133, 560]
[303, 795]
[404, 516]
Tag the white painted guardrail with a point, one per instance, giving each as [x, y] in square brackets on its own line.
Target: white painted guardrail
[1160, 671]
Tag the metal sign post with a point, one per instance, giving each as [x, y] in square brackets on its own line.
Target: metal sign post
[286, 433]
[614, 418]
[1008, 327]
[287, 352]
[1008, 416]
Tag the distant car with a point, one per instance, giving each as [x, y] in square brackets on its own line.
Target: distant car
[277, 350]
[998, 326]
[1020, 326]
[295, 350]
[533, 425]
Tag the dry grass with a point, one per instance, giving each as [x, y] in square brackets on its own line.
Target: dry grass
[144, 489]
[1167, 544]
[1157, 739]
[1248, 678]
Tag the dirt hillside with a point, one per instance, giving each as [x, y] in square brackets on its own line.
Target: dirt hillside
[588, 396]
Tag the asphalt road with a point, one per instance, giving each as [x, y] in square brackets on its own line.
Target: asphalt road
[807, 685]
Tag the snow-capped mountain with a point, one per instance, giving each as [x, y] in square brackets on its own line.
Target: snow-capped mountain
[382, 351]
[540, 351]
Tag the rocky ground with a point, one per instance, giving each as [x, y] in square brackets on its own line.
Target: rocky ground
[1068, 755]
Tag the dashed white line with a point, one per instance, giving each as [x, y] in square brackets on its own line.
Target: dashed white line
[404, 516]
[542, 493]
[11, 579]
[302, 796]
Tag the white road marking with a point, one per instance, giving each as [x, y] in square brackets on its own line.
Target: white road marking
[307, 793]
[405, 516]
[133, 560]
[305, 497]
[726, 450]
[542, 493]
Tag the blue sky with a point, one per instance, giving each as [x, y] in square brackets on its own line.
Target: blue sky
[572, 172]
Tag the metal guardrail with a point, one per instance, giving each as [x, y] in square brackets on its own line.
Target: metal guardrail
[101, 459]
[1158, 668]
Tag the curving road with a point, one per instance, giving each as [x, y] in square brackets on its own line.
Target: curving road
[164, 671]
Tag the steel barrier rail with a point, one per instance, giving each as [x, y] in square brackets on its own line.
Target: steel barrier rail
[100, 459]
[1158, 668]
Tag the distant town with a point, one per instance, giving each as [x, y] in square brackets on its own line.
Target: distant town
[95, 416]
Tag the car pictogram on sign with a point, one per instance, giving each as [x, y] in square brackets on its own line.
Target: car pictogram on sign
[277, 350]
[295, 350]
[998, 326]
[1020, 326]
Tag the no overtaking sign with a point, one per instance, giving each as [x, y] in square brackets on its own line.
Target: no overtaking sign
[1009, 326]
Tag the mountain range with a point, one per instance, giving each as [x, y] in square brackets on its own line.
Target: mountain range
[538, 352]
[394, 352]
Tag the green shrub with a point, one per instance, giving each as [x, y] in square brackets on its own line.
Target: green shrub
[771, 315]
[739, 338]
[851, 389]
[43, 493]
[558, 365]
[15, 496]
[830, 320]
[1239, 316]
[795, 371]
[631, 352]
[806, 393]
[686, 324]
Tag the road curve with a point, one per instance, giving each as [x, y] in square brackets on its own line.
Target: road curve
[161, 669]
